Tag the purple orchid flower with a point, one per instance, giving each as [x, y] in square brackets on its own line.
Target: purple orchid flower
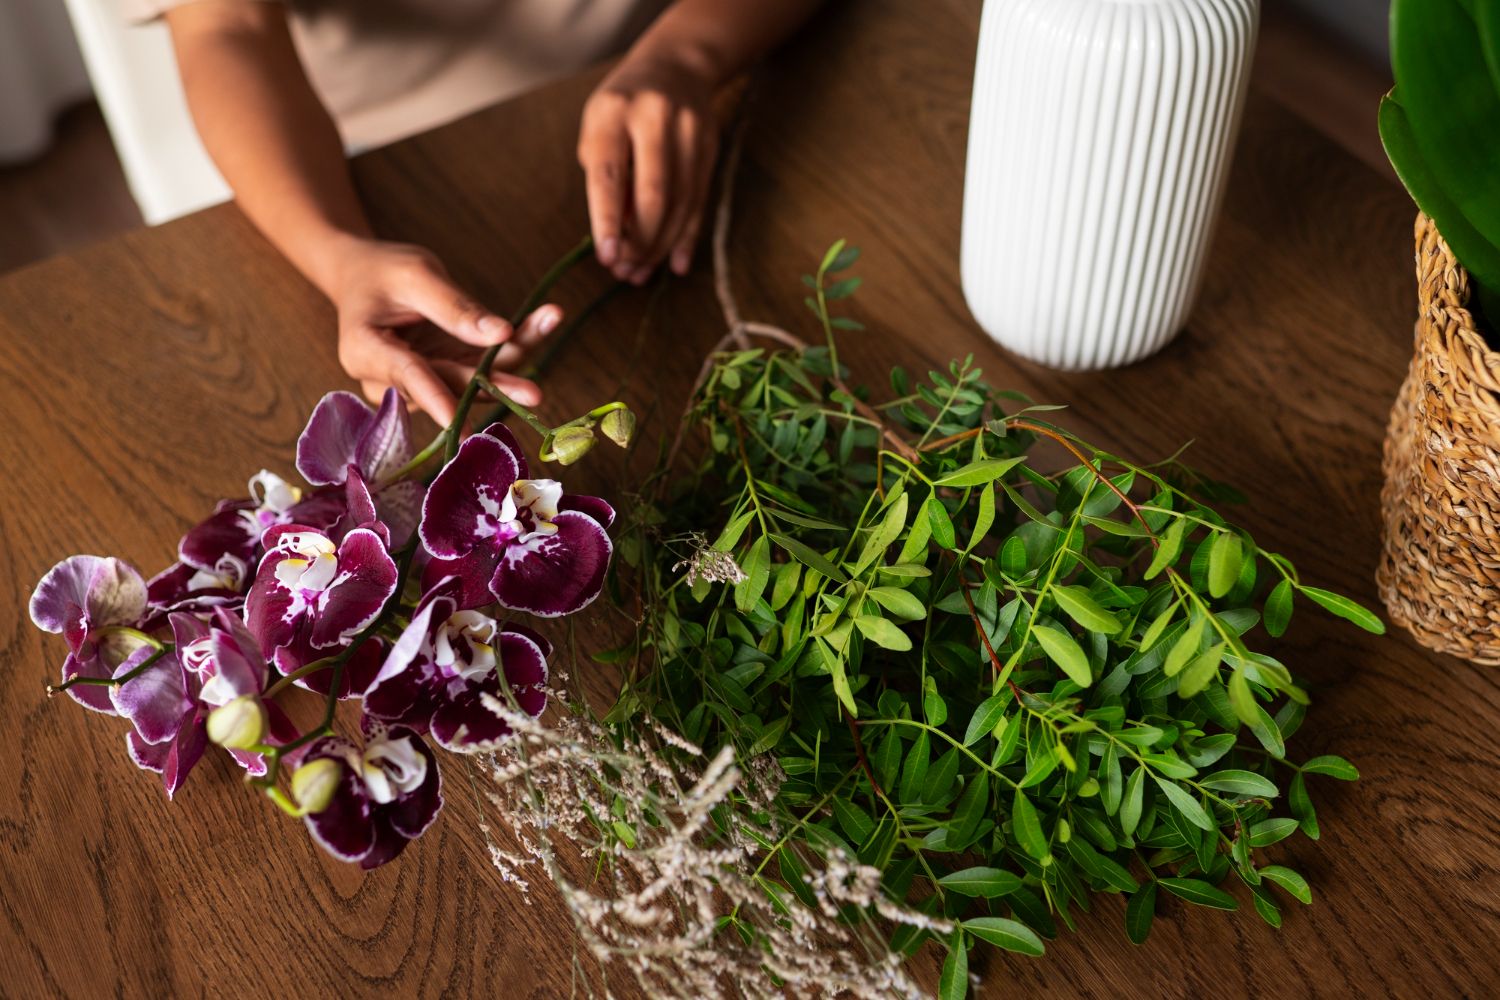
[344, 435]
[181, 587]
[507, 537]
[311, 595]
[169, 704]
[227, 542]
[81, 597]
[447, 660]
[388, 793]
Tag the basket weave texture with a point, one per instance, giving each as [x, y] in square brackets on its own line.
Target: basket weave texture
[1439, 573]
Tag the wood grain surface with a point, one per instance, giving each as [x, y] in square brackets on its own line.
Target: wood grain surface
[146, 377]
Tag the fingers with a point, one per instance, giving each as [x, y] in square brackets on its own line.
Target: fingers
[604, 154]
[532, 331]
[377, 359]
[427, 290]
[652, 149]
[698, 142]
[456, 375]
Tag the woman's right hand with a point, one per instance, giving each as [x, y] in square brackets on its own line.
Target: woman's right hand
[390, 297]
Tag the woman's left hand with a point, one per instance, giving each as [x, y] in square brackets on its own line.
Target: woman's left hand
[647, 146]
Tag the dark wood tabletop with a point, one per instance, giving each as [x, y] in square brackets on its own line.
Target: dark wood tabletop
[146, 377]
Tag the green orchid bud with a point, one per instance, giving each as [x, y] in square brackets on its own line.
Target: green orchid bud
[239, 724]
[619, 426]
[314, 783]
[571, 443]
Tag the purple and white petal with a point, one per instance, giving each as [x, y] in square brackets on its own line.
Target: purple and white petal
[400, 507]
[94, 696]
[229, 531]
[557, 574]
[473, 572]
[413, 812]
[466, 724]
[507, 437]
[366, 580]
[385, 445]
[329, 441]
[186, 750]
[592, 506]
[464, 503]
[155, 701]
[345, 828]
[116, 595]
[147, 756]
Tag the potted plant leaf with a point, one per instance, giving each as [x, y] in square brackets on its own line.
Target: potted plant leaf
[1440, 571]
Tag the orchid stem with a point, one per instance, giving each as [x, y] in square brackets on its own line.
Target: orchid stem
[496, 393]
[296, 675]
[487, 360]
[161, 650]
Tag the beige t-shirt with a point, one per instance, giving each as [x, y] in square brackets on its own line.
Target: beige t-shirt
[387, 69]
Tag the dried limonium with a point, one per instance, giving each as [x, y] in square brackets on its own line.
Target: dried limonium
[707, 564]
[660, 853]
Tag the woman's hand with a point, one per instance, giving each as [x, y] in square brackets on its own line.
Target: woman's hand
[647, 146]
[403, 323]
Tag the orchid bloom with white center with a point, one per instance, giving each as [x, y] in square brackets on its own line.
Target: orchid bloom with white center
[447, 663]
[311, 597]
[388, 793]
[520, 541]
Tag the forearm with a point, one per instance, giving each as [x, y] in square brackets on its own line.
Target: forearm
[267, 131]
[717, 40]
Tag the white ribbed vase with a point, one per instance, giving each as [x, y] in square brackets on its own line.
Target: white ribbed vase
[1099, 140]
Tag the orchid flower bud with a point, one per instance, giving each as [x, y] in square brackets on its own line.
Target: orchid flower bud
[571, 443]
[238, 724]
[619, 426]
[314, 783]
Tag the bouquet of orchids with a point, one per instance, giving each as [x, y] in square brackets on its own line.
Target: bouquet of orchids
[367, 584]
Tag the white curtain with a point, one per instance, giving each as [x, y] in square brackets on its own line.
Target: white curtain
[41, 72]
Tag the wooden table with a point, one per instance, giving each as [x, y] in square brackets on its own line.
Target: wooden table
[148, 376]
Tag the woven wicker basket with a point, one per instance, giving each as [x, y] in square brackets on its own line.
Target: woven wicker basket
[1439, 573]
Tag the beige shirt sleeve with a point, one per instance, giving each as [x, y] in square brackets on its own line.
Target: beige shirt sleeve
[143, 11]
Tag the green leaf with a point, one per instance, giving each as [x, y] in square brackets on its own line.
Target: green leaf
[1200, 892]
[1159, 626]
[1340, 605]
[788, 575]
[982, 722]
[1062, 649]
[1130, 808]
[1185, 648]
[1201, 672]
[914, 773]
[901, 603]
[1185, 803]
[934, 708]
[809, 557]
[980, 473]
[954, 984]
[1242, 699]
[883, 633]
[1028, 827]
[1080, 606]
[757, 570]
[1267, 909]
[832, 256]
[842, 289]
[1167, 548]
[854, 821]
[1238, 782]
[1224, 563]
[730, 536]
[1002, 932]
[884, 534]
[1333, 766]
[1270, 831]
[940, 524]
[970, 811]
[1139, 911]
[981, 881]
[1278, 610]
[983, 518]
[1302, 808]
[940, 777]
[1289, 880]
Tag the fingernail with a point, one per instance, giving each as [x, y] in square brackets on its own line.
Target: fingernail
[607, 251]
[681, 261]
[494, 327]
[548, 321]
